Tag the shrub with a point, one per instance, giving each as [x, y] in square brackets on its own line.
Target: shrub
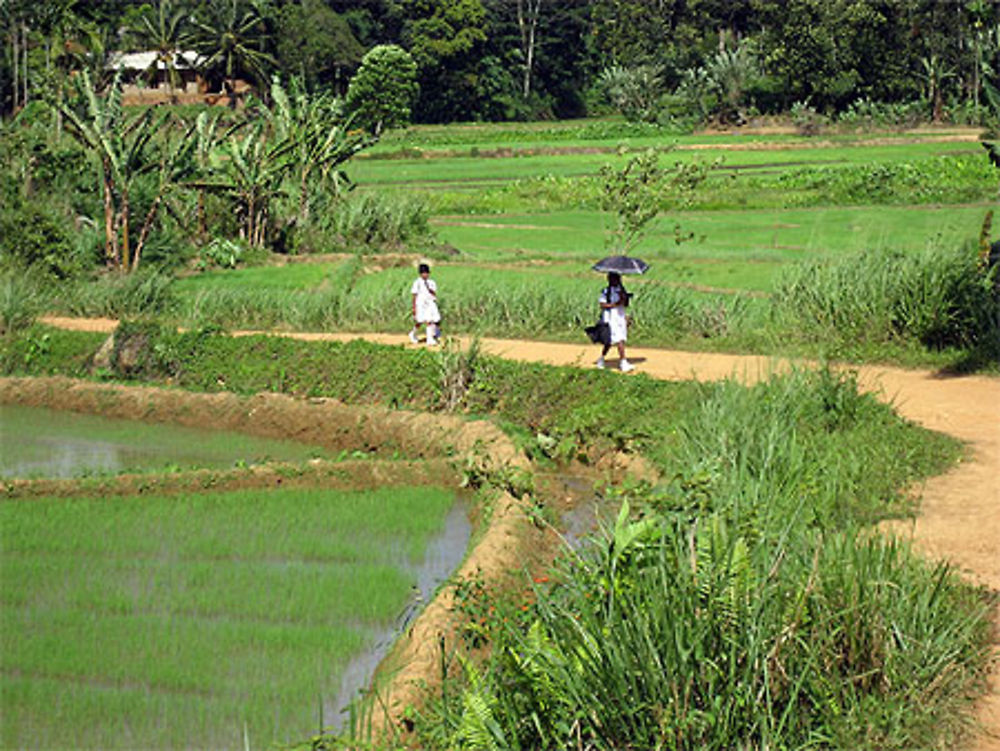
[633, 91]
[807, 121]
[34, 236]
[384, 89]
[144, 350]
[222, 253]
[866, 114]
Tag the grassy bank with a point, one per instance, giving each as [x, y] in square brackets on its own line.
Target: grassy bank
[741, 603]
[578, 412]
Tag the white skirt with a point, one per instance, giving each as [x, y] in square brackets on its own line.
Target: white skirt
[427, 310]
[615, 318]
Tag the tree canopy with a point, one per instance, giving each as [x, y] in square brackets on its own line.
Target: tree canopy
[502, 59]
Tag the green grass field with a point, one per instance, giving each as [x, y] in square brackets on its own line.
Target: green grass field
[734, 250]
[170, 622]
[446, 168]
[516, 222]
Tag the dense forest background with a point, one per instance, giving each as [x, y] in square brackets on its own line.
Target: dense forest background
[535, 59]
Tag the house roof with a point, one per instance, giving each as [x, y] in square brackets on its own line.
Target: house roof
[145, 60]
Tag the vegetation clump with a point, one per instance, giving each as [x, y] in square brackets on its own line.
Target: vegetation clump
[741, 603]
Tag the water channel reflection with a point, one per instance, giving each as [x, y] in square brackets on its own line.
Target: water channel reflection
[41, 442]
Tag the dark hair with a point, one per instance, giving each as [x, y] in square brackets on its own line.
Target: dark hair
[422, 268]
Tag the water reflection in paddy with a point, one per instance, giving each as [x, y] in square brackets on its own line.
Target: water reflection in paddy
[41, 442]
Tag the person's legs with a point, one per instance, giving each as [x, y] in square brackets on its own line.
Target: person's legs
[623, 362]
[600, 360]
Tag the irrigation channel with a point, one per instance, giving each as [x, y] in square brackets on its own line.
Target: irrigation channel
[959, 518]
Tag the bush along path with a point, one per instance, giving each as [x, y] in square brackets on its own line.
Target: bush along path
[959, 519]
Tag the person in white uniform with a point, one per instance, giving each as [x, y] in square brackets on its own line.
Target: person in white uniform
[425, 307]
[614, 300]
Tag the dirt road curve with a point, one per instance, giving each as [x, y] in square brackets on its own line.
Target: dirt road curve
[960, 511]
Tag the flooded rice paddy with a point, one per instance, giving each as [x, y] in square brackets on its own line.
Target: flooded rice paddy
[199, 619]
[42, 442]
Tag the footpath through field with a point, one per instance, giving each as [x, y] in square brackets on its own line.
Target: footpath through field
[959, 516]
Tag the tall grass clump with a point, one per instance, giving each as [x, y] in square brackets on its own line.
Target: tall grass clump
[261, 308]
[115, 295]
[676, 635]
[505, 304]
[21, 301]
[797, 450]
[473, 300]
[940, 298]
[374, 221]
[318, 308]
[740, 604]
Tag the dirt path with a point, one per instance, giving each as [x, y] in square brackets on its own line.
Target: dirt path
[960, 512]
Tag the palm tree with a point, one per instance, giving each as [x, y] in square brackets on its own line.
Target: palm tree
[228, 34]
[164, 31]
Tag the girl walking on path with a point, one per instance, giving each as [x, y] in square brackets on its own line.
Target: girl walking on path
[614, 300]
[425, 307]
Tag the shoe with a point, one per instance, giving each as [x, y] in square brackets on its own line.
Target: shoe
[413, 337]
[600, 363]
[432, 342]
[625, 366]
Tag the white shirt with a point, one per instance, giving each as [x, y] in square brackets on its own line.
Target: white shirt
[425, 307]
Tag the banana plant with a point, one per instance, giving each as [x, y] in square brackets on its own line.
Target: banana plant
[251, 169]
[207, 137]
[322, 138]
[175, 163]
[121, 148]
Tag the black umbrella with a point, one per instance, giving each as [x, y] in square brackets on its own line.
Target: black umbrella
[621, 265]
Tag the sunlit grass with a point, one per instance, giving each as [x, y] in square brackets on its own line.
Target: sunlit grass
[289, 276]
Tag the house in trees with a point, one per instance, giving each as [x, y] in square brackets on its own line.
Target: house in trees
[147, 78]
